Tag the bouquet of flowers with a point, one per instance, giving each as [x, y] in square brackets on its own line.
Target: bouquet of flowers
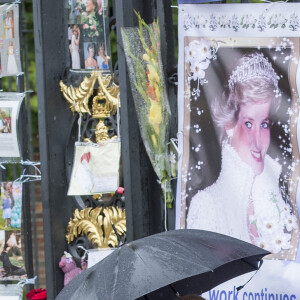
[142, 49]
[92, 28]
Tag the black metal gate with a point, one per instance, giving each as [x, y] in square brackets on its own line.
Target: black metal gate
[144, 211]
[20, 84]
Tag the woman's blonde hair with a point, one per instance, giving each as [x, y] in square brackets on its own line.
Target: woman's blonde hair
[249, 82]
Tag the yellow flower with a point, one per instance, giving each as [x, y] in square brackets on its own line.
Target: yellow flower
[157, 91]
[155, 116]
[152, 75]
[146, 57]
[154, 141]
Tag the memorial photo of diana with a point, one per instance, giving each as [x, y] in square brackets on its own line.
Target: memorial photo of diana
[240, 159]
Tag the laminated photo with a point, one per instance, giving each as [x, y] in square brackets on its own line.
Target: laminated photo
[240, 162]
[238, 103]
[10, 62]
[89, 44]
[11, 257]
[9, 113]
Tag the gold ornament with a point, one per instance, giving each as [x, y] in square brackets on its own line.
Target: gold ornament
[97, 196]
[78, 97]
[101, 132]
[96, 224]
[105, 101]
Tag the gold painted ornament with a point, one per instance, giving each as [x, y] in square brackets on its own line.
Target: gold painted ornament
[105, 102]
[97, 224]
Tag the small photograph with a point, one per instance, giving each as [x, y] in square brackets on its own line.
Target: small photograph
[10, 206]
[74, 45]
[9, 115]
[240, 156]
[90, 62]
[5, 119]
[74, 11]
[92, 20]
[8, 24]
[102, 58]
[11, 259]
[12, 67]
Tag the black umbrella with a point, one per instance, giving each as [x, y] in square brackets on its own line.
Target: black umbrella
[161, 265]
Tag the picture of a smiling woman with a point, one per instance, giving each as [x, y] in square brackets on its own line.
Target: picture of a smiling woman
[245, 202]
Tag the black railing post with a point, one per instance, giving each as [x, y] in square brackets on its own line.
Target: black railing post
[50, 32]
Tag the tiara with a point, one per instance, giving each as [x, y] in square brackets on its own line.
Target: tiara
[256, 65]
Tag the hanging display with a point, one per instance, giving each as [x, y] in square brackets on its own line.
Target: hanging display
[11, 292]
[97, 159]
[11, 259]
[10, 59]
[238, 109]
[10, 104]
[88, 34]
[95, 168]
[143, 57]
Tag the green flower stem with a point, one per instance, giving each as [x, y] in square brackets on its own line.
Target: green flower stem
[167, 191]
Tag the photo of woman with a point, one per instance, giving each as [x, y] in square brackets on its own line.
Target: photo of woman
[90, 62]
[92, 20]
[12, 67]
[236, 182]
[5, 120]
[102, 58]
[75, 47]
[11, 260]
[8, 25]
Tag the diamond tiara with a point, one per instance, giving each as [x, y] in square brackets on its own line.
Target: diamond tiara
[256, 65]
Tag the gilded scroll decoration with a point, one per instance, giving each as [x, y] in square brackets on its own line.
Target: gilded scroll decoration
[104, 101]
[100, 225]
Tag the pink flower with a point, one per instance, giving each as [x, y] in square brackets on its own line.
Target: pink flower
[85, 26]
[94, 27]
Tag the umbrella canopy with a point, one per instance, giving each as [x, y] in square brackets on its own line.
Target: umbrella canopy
[184, 261]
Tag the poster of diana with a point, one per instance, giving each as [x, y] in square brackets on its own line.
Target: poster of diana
[238, 114]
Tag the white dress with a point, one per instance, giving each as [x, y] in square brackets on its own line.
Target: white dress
[100, 61]
[8, 33]
[12, 67]
[3, 124]
[75, 54]
[223, 206]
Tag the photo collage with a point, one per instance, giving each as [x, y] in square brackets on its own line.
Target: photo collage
[10, 104]
[10, 60]
[11, 259]
[87, 27]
